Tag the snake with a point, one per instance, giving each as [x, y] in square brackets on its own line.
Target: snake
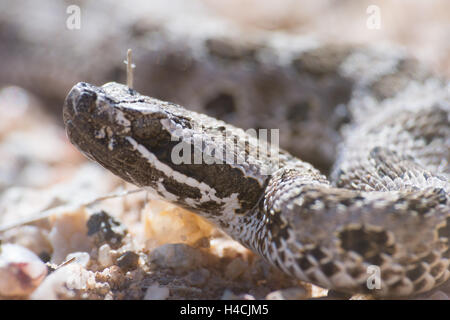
[388, 206]
[363, 180]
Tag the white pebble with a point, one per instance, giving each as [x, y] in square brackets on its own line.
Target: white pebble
[21, 271]
[60, 283]
[104, 256]
[155, 292]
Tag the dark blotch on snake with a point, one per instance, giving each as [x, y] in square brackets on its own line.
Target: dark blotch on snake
[330, 268]
[367, 243]
[420, 285]
[304, 263]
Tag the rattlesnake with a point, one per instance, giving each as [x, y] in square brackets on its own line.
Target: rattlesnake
[383, 114]
[391, 208]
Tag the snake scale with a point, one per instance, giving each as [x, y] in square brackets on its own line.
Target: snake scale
[371, 118]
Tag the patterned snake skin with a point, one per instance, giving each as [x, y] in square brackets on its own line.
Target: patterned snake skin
[391, 208]
[371, 118]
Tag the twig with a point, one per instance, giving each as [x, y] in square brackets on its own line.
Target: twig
[130, 67]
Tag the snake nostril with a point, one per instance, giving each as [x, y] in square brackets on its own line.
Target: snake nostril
[79, 100]
[85, 102]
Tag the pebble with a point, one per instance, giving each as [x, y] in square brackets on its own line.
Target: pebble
[105, 256]
[155, 292]
[105, 229]
[178, 256]
[166, 223]
[317, 292]
[21, 271]
[128, 261]
[295, 293]
[60, 283]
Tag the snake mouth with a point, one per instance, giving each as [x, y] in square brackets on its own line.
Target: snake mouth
[77, 109]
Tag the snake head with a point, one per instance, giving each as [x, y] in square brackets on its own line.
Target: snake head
[100, 121]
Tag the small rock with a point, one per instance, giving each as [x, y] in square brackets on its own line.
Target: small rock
[165, 223]
[112, 275]
[105, 256]
[21, 271]
[178, 256]
[128, 261]
[155, 292]
[316, 292]
[106, 229]
[60, 283]
[295, 293]
[235, 269]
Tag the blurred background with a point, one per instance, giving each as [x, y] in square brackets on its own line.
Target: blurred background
[423, 27]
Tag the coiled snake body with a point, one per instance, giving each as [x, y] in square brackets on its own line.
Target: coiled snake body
[388, 205]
